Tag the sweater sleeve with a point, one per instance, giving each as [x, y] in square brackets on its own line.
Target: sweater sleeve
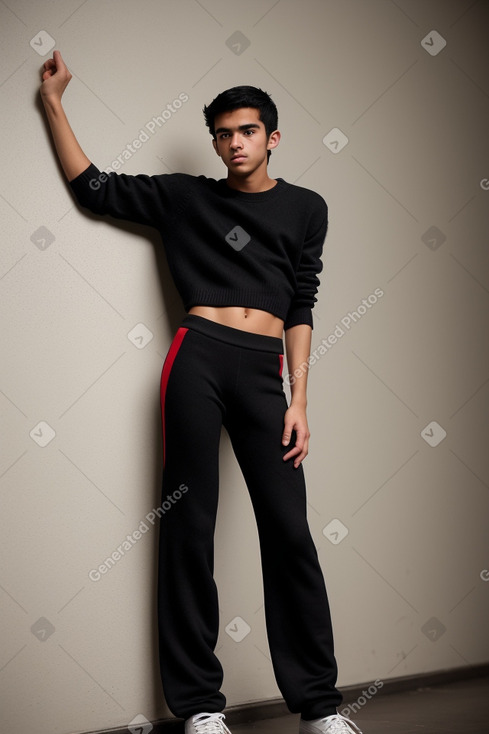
[143, 199]
[310, 265]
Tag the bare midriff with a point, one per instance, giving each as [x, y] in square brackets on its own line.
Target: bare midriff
[247, 319]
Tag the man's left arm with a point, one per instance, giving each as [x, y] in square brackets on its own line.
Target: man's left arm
[298, 349]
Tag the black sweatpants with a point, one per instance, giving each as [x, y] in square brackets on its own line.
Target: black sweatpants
[216, 375]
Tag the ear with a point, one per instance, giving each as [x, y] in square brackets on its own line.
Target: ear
[214, 143]
[273, 139]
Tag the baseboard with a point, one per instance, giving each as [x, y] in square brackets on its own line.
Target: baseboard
[262, 710]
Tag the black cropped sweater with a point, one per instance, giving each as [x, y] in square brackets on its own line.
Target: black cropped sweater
[224, 247]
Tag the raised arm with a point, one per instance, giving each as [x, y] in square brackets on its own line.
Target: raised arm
[55, 78]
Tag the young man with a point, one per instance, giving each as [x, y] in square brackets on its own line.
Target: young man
[245, 255]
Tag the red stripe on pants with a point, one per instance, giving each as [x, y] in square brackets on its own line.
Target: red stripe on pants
[165, 375]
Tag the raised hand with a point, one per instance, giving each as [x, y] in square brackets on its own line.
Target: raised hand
[55, 77]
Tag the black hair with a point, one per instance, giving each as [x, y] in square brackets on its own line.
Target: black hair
[244, 96]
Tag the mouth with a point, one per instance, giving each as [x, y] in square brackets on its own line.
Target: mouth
[238, 158]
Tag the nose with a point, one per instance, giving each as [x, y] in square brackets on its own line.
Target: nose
[236, 141]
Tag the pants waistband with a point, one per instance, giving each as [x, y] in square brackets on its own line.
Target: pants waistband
[230, 335]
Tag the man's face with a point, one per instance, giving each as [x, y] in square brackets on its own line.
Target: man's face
[241, 140]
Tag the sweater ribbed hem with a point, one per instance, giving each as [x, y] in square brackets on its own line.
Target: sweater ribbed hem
[274, 303]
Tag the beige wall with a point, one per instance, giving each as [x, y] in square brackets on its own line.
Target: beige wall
[407, 584]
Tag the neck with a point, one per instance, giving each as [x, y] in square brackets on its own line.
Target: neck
[251, 183]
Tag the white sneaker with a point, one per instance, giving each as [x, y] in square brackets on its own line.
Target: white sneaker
[335, 724]
[206, 724]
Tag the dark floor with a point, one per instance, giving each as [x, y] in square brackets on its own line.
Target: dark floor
[461, 707]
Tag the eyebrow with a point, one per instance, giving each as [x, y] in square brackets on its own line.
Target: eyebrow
[248, 126]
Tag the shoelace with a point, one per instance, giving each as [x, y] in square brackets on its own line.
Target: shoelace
[210, 724]
[338, 724]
